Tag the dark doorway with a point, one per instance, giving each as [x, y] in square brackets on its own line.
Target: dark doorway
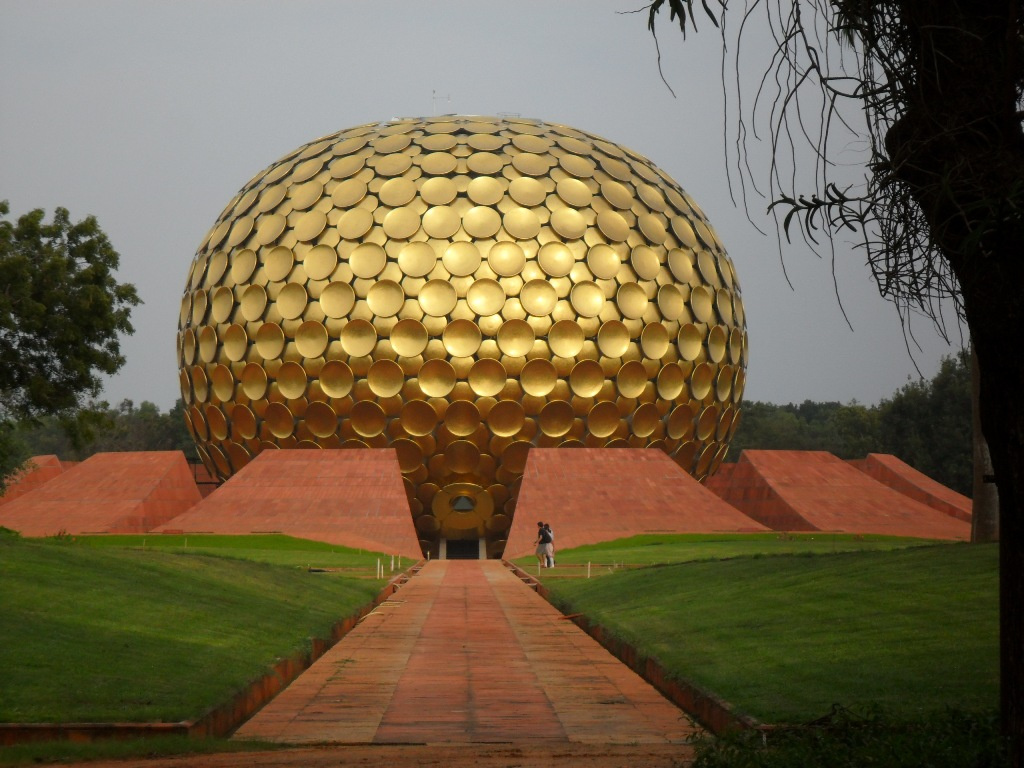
[462, 549]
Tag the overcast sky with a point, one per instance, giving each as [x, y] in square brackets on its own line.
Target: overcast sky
[151, 116]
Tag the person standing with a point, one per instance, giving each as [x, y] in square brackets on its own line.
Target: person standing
[543, 544]
[550, 546]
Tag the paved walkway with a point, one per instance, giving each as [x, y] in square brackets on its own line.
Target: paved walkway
[466, 653]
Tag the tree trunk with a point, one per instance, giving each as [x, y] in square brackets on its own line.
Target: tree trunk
[985, 496]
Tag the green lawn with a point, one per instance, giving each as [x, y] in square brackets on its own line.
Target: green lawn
[108, 633]
[783, 638]
[661, 549]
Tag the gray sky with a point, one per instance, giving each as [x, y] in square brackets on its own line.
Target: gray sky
[151, 116]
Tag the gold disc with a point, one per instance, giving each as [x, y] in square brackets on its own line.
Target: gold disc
[410, 455]
[613, 338]
[438, 297]
[291, 380]
[236, 343]
[254, 381]
[566, 338]
[506, 259]
[349, 193]
[222, 381]
[521, 223]
[221, 304]
[556, 418]
[645, 262]
[654, 341]
[320, 419]
[358, 338]
[367, 418]
[397, 192]
[569, 223]
[603, 261]
[613, 226]
[538, 377]
[515, 338]
[337, 300]
[481, 222]
[603, 419]
[527, 192]
[485, 297]
[616, 194]
[278, 263]
[690, 342]
[417, 259]
[292, 301]
[461, 338]
[506, 418]
[400, 223]
[310, 225]
[538, 297]
[652, 227]
[409, 337]
[577, 166]
[438, 191]
[385, 298]
[530, 164]
[461, 258]
[207, 344]
[418, 418]
[717, 343]
[438, 163]
[702, 304]
[440, 222]
[645, 420]
[303, 196]
[513, 458]
[279, 420]
[216, 422]
[631, 300]
[367, 260]
[680, 423]
[385, 378]
[485, 190]
[670, 302]
[320, 262]
[436, 378]
[700, 381]
[723, 384]
[336, 378]
[243, 423]
[574, 192]
[311, 339]
[586, 378]
[631, 379]
[462, 418]
[556, 259]
[270, 341]
[461, 457]
[671, 381]
[708, 268]
[487, 377]
[242, 266]
[706, 422]
[681, 265]
[587, 298]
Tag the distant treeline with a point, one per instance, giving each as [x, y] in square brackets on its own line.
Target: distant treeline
[926, 423]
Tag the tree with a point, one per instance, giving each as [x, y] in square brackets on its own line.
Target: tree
[940, 210]
[61, 313]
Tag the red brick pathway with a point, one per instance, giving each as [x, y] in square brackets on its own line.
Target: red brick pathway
[466, 653]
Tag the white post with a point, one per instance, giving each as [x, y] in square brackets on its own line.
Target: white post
[588, 569]
[392, 563]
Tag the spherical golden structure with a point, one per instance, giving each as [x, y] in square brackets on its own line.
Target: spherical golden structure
[460, 289]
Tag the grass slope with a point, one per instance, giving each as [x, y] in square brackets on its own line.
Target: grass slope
[108, 634]
[783, 638]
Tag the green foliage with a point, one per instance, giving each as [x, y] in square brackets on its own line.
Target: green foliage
[61, 313]
[845, 738]
[927, 424]
[126, 427]
[150, 748]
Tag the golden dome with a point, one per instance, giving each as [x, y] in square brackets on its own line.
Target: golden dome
[462, 288]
